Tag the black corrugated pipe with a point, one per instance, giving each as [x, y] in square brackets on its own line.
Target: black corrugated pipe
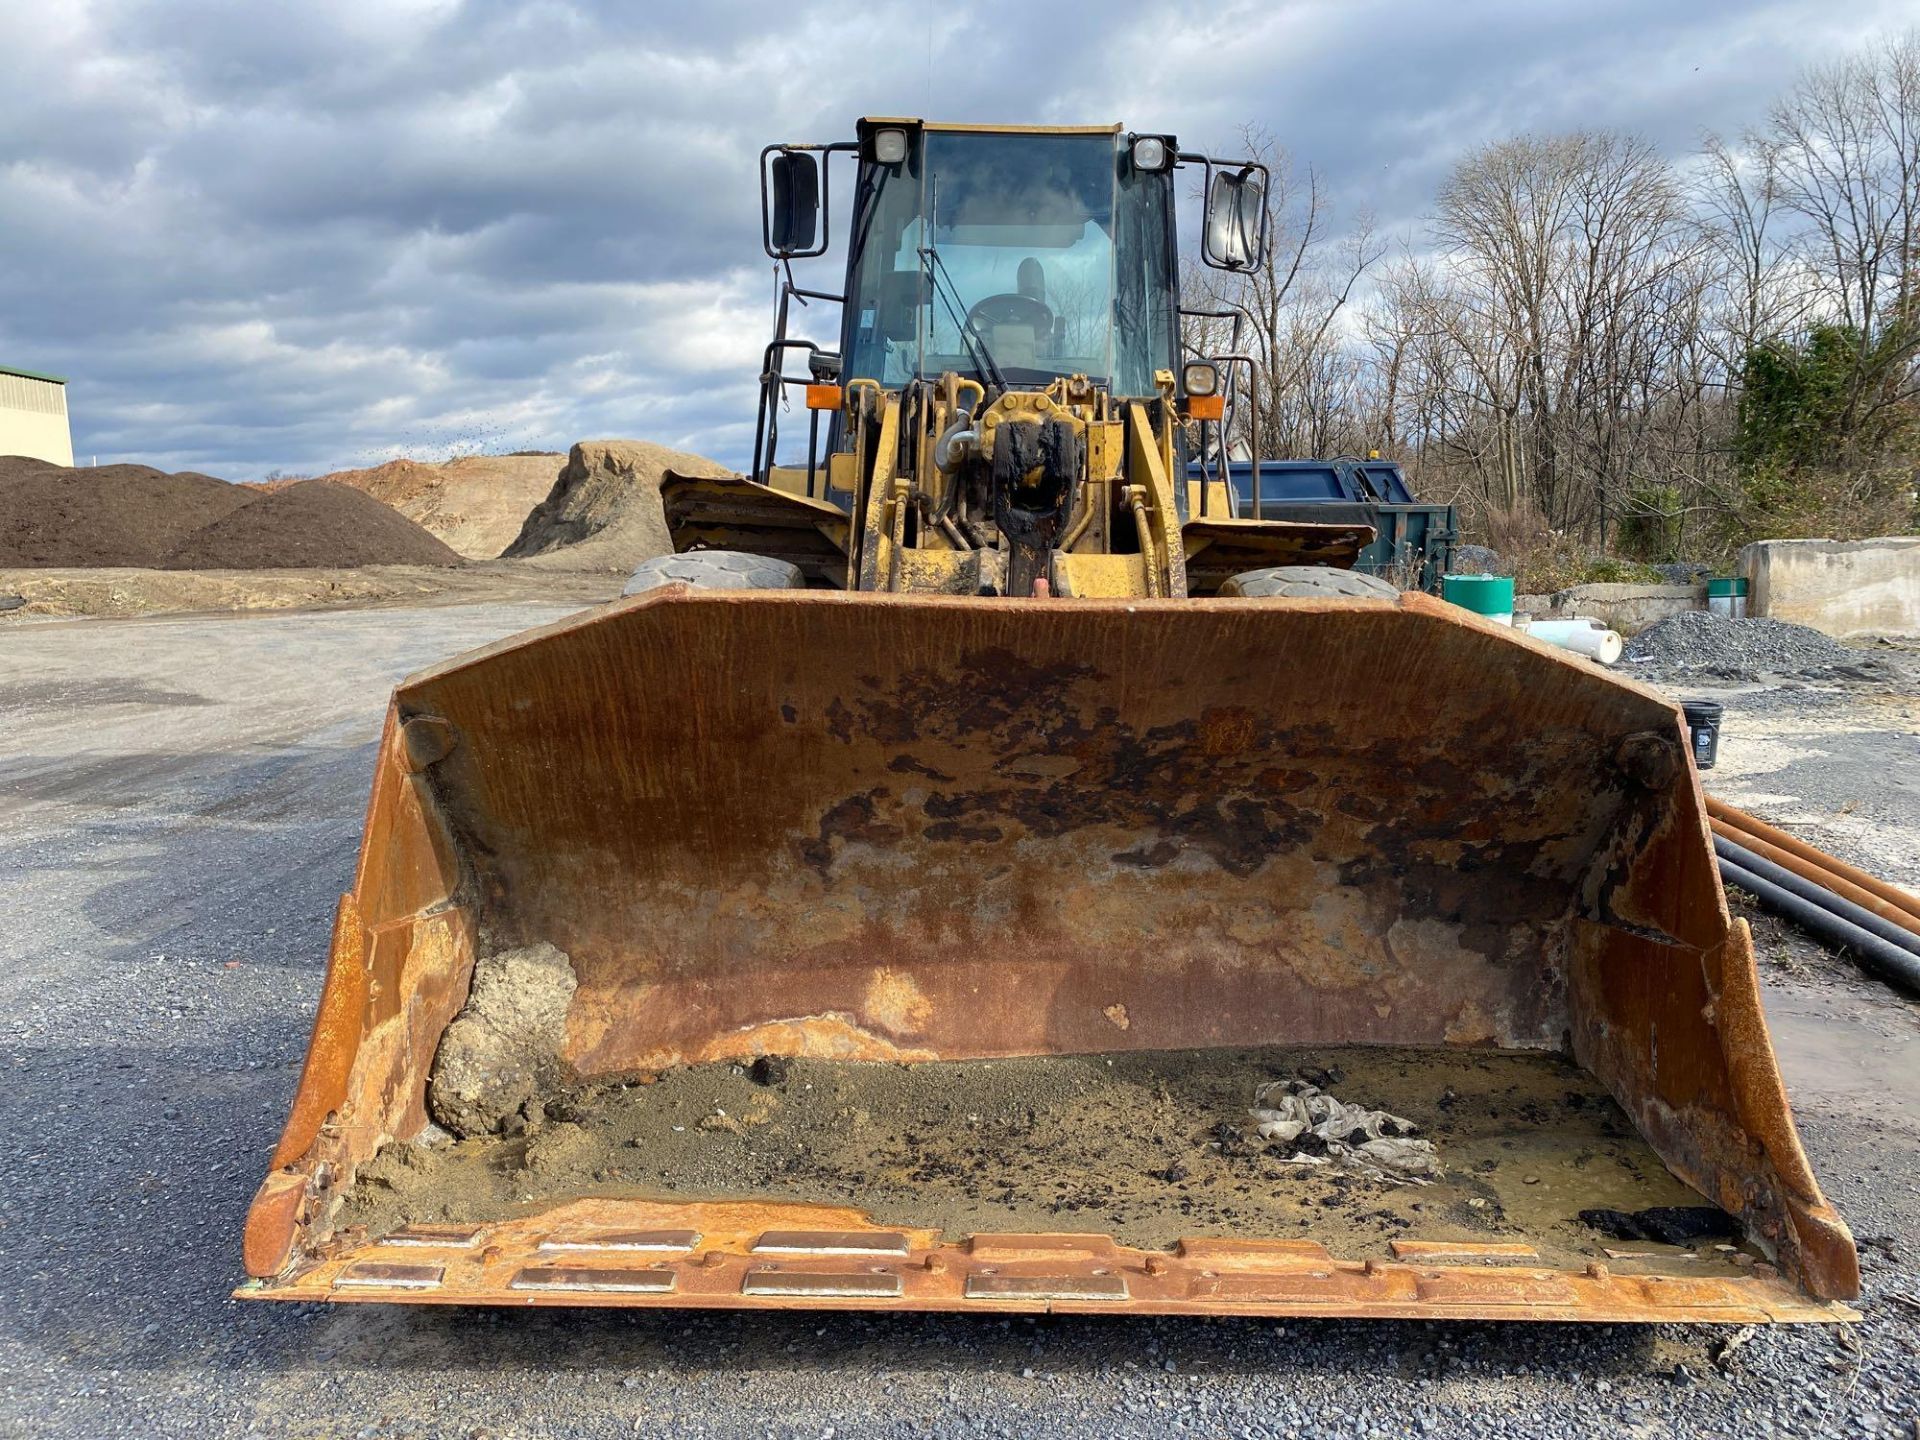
[1817, 894]
[1889, 962]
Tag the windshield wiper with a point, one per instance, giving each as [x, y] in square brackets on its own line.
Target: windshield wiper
[977, 348]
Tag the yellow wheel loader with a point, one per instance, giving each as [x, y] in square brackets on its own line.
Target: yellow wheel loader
[989, 867]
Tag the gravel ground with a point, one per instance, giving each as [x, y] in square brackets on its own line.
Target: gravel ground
[181, 802]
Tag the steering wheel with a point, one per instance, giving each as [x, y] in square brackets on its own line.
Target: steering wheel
[1011, 309]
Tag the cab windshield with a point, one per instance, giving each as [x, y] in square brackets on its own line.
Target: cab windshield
[1033, 256]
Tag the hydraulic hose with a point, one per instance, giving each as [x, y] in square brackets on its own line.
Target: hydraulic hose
[954, 442]
[1889, 962]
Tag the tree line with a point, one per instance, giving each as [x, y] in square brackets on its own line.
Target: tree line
[1588, 344]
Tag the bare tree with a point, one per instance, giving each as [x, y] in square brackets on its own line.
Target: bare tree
[1763, 292]
[1291, 308]
[1559, 262]
[1570, 343]
[1845, 144]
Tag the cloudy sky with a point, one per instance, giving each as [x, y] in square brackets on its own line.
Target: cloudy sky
[260, 236]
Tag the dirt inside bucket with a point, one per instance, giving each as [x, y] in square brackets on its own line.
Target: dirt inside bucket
[1145, 1146]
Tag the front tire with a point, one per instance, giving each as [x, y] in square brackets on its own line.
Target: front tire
[715, 570]
[1296, 582]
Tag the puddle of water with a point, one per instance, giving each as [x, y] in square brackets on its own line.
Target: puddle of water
[1831, 1052]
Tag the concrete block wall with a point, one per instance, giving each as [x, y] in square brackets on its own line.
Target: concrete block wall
[1846, 588]
[1626, 608]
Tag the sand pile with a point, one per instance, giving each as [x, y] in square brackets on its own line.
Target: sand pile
[603, 512]
[55, 517]
[315, 524]
[476, 503]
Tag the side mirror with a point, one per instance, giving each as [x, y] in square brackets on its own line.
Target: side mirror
[1235, 230]
[796, 203]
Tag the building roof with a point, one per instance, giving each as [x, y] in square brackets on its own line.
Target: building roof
[32, 375]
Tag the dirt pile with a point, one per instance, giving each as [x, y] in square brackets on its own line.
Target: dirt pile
[52, 516]
[136, 517]
[314, 524]
[504, 1049]
[476, 503]
[603, 512]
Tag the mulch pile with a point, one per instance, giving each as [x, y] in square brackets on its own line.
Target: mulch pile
[106, 515]
[132, 515]
[316, 524]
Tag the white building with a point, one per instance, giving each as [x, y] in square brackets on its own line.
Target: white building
[33, 416]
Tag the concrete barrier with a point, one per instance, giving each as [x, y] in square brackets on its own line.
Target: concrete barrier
[1845, 588]
[1626, 608]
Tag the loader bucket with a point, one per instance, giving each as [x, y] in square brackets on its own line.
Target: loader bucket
[928, 953]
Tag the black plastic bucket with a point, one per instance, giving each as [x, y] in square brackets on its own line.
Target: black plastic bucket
[1703, 728]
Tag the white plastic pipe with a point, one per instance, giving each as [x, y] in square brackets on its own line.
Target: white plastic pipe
[1583, 637]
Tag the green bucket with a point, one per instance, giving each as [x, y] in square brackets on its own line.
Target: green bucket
[1735, 585]
[1483, 594]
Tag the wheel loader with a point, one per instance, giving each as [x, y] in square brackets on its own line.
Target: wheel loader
[988, 868]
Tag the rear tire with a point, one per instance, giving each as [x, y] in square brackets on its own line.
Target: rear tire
[715, 570]
[1303, 581]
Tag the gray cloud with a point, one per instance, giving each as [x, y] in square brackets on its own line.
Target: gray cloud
[298, 236]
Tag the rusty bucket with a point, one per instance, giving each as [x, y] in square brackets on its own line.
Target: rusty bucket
[892, 834]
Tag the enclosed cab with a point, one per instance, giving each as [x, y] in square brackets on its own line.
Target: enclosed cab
[1006, 404]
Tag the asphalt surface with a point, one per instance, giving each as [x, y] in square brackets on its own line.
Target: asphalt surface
[180, 802]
